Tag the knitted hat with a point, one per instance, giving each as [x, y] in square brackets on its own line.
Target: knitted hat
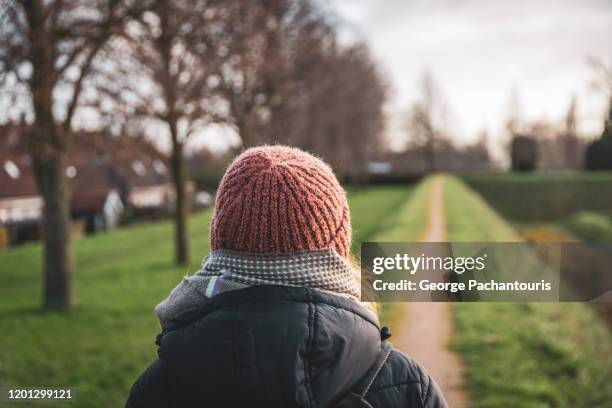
[278, 199]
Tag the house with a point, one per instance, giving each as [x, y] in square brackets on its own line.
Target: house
[131, 166]
[20, 204]
[107, 175]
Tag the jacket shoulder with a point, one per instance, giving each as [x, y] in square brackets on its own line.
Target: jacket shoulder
[402, 382]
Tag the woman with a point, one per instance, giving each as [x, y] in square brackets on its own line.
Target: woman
[273, 318]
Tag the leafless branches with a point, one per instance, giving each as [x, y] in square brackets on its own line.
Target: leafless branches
[46, 52]
[603, 75]
[427, 118]
[272, 69]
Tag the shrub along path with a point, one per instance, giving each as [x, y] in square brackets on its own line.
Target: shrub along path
[425, 329]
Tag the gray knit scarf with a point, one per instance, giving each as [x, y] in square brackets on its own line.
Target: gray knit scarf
[224, 270]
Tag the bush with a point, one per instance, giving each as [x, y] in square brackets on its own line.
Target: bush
[542, 198]
[524, 153]
[589, 226]
[599, 153]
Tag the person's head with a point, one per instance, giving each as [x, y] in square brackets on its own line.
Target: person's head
[280, 200]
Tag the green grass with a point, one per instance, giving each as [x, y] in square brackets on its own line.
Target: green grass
[374, 209]
[542, 197]
[101, 346]
[407, 222]
[403, 222]
[469, 218]
[519, 355]
[589, 226]
[375, 212]
[525, 354]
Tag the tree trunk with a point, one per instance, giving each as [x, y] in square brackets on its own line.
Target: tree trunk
[49, 164]
[431, 153]
[59, 266]
[181, 211]
[246, 134]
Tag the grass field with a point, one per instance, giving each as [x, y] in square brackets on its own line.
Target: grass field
[101, 346]
[375, 210]
[543, 197]
[525, 354]
[108, 340]
[519, 355]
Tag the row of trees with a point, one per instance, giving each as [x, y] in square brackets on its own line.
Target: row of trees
[430, 134]
[543, 145]
[540, 144]
[599, 152]
[272, 69]
[427, 127]
[426, 121]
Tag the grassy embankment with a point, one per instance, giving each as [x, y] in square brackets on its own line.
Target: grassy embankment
[543, 197]
[525, 354]
[102, 346]
[578, 204]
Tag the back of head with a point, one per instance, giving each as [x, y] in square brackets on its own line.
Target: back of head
[280, 200]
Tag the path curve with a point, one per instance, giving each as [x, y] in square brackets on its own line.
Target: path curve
[425, 329]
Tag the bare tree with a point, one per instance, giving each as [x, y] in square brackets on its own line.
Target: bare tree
[272, 48]
[599, 152]
[46, 52]
[603, 83]
[427, 118]
[513, 118]
[570, 137]
[166, 68]
[289, 81]
[603, 75]
[346, 110]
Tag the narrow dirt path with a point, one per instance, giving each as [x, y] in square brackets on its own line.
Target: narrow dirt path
[425, 329]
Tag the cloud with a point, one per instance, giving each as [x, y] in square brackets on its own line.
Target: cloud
[482, 50]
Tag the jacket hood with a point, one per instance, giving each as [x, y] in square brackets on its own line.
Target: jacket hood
[270, 346]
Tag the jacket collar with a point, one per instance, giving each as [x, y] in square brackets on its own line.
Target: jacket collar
[270, 293]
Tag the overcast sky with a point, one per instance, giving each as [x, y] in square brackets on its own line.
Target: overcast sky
[481, 51]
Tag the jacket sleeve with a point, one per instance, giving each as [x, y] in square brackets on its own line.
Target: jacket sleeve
[151, 389]
[432, 395]
[404, 383]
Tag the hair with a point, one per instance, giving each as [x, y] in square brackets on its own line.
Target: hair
[374, 307]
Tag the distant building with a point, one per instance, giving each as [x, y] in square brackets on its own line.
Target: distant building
[107, 176]
[20, 204]
[379, 168]
[132, 167]
[412, 163]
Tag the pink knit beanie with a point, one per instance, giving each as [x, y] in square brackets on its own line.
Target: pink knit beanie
[278, 199]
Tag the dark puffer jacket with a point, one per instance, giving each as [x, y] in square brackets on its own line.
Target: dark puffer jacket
[278, 346]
